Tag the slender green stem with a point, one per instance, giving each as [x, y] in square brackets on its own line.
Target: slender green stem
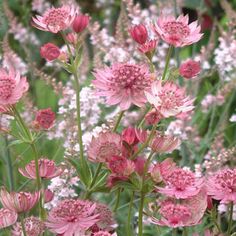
[231, 208]
[140, 215]
[213, 217]
[167, 62]
[22, 225]
[143, 117]
[117, 199]
[118, 121]
[129, 224]
[185, 231]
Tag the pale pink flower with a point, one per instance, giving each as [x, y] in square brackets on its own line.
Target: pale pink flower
[189, 69]
[7, 217]
[148, 46]
[18, 202]
[47, 169]
[80, 23]
[123, 84]
[103, 147]
[48, 195]
[222, 185]
[169, 99]
[55, 19]
[50, 52]
[181, 184]
[33, 227]
[72, 217]
[177, 32]
[139, 33]
[44, 118]
[12, 86]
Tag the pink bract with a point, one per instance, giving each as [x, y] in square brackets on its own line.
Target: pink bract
[129, 136]
[177, 32]
[189, 69]
[139, 33]
[149, 46]
[80, 23]
[45, 118]
[123, 84]
[50, 52]
[47, 169]
[169, 99]
[104, 233]
[55, 19]
[12, 87]
[7, 217]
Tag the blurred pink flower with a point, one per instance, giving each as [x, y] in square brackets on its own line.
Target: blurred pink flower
[123, 84]
[50, 52]
[55, 19]
[72, 217]
[44, 118]
[169, 99]
[139, 33]
[12, 86]
[71, 37]
[189, 69]
[129, 136]
[80, 23]
[18, 202]
[33, 227]
[104, 233]
[47, 169]
[181, 184]
[103, 147]
[177, 32]
[7, 217]
[153, 117]
[222, 185]
[139, 163]
[48, 195]
[149, 46]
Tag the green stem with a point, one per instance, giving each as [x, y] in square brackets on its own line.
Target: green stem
[140, 215]
[143, 117]
[118, 121]
[213, 216]
[23, 225]
[129, 225]
[231, 208]
[185, 231]
[117, 199]
[167, 62]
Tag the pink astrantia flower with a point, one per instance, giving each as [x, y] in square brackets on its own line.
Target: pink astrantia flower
[33, 227]
[104, 233]
[129, 136]
[55, 19]
[7, 217]
[12, 87]
[104, 147]
[153, 117]
[189, 69]
[45, 118]
[50, 52]
[123, 84]
[18, 202]
[72, 217]
[181, 184]
[169, 99]
[139, 33]
[80, 23]
[47, 169]
[177, 32]
[149, 46]
[222, 185]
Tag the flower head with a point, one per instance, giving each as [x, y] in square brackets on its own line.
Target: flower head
[177, 32]
[47, 169]
[45, 118]
[80, 23]
[222, 185]
[189, 69]
[129, 136]
[169, 99]
[50, 52]
[149, 46]
[55, 19]
[103, 147]
[139, 33]
[123, 84]
[72, 217]
[153, 117]
[104, 233]
[18, 202]
[12, 87]
[7, 217]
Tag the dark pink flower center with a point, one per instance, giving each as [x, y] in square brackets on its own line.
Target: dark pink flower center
[176, 30]
[7, 85]
[107, 150]
[227, 180]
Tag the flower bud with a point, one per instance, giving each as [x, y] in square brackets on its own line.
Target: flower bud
[139, 33]
[189, 69]
[50, 52]
[80, 23]
[45, 118]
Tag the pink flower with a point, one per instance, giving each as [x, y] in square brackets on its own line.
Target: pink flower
[71, 38]
[129, 136]
[7, 217]
[72, 217]
[55, 19]
[139, 33]
[222, 185]
[113, 179]
[50, 52]
[177, 32]
[33, 227]
[45, 118]
[80, 23]
[102, 148]
[169, 99]
[149, 46]
[12, 87]
[139, 163]
[123, 84]
[18, 202]
[47, 169]
[189, 69]
[104, 233]
[181, 184]
[153, 117]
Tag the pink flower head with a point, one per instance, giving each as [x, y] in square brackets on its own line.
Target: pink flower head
[55, 19]
[71, 38]
[12, 87]
[139, 163]
[113, 179]
[18, 202]
[50, 52]
[222, 185]
[47, 169]
[104, 233]
[177, 32]
[181, 184]
[7, 217]
[103, 147]
[129, 136]
[80, 23]
[139, 33]
[33, 227]
[48, 195]
[123, 84]
[189, 69]
[153, 117]
[169, 99]
[72, 217]
[45, 118]
[149, 46]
